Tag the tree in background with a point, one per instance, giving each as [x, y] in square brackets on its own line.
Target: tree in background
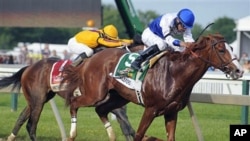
[147, 16]
[225, 26]
[6, 38]
[112, 16]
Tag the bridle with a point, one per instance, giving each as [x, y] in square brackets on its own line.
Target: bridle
[223, 65]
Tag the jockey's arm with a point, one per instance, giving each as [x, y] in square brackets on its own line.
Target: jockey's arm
[176, 42]
[113, 43]
[128, 41]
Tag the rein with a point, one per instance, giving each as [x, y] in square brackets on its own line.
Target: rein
[223, 64]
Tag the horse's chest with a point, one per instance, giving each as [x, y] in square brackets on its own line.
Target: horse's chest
[174, 105]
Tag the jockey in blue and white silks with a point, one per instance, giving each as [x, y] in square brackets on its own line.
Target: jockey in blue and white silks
[158, 36]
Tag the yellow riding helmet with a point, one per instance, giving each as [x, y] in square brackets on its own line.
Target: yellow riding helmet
[110, 31]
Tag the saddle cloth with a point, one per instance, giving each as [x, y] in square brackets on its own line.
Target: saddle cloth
[56, 75]
[128, 76]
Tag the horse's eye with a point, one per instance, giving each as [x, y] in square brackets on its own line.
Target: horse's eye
[221, 50]
[232, 48]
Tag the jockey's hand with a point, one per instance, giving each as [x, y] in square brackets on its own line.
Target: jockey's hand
[125, 44]
[187, 44]
[170, 49]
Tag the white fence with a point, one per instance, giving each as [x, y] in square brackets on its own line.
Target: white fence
[218, 83]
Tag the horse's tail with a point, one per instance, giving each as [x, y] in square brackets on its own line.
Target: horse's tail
[15, 79]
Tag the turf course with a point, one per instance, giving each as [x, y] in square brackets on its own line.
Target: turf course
[214, 121]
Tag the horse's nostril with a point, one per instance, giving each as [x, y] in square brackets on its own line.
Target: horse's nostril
[239, 72]
[226, 69]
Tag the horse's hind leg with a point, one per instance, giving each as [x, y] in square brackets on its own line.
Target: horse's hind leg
[35, 113]
[24, 115]
[73, 130]
[36, 103]
[114, 101]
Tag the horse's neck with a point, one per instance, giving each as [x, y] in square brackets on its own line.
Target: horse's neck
[190, 71]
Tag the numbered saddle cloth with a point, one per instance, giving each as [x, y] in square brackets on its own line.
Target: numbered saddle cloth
[125, 74]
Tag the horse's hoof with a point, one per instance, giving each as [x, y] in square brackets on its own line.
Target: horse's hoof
[147, 138]
[70, 139]
[11, 137]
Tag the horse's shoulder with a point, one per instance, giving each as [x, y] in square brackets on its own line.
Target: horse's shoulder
[173, 56]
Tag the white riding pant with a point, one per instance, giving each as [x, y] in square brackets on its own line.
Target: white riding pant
[150, 39]
[77, 48]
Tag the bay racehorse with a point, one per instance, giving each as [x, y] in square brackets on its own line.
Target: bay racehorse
[165, 90]
[35, 83]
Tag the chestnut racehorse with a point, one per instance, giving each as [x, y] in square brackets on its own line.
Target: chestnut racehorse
[165, 90]
[34, 80]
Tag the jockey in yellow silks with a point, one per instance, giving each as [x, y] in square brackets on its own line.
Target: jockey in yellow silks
[82, 43]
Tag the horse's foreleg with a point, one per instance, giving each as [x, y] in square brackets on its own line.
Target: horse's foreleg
[73, 130]
[170, 125]
[20, 121]
[147, 118]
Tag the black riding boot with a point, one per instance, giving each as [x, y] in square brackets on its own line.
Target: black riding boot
[147, 54]
[79, 59]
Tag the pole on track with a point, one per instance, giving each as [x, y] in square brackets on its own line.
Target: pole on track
[58, 119]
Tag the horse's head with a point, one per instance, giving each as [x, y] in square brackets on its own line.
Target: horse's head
[217, 53]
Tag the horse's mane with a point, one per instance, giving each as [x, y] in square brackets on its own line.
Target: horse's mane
[198, 45]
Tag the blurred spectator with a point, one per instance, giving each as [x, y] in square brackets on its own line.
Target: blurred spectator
[46, 51]
[5, 59]
[37, 56]
[23, 54]
[244, 58]
[245, 62]
[66, 55]
[10, 59]
[15, 60]
[1, 59]
[30, 58]
[54, 54]
[246, 66]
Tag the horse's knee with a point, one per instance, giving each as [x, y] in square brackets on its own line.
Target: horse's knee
[138, 137]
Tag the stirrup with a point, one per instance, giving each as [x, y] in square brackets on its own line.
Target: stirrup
[76, 62]
[135, 66]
